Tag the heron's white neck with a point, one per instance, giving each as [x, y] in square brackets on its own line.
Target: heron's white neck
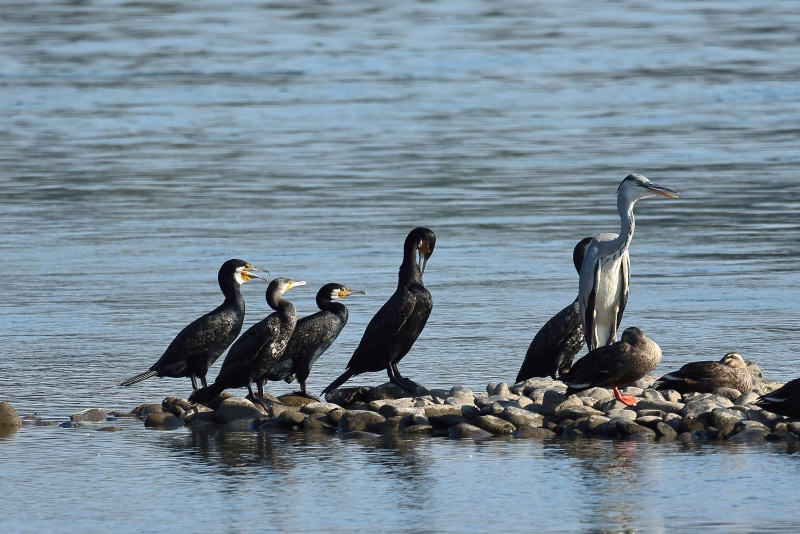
[611, 250]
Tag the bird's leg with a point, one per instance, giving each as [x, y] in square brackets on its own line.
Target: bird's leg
[396, 378]
[628, 400]
[194, 382]
[203, 380]
[306, 393]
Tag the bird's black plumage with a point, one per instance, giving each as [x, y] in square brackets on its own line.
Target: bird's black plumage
[397, 324]
[560, 339]
[200, 343]
[258, 349]
[783, 401]
[313, 335]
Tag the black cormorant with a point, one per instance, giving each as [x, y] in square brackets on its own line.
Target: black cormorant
[313, 335]
[198, 345]
[783, 401]
[258, 349]
[617, 365]
[704, 377]
[394, 328]
[560, 339]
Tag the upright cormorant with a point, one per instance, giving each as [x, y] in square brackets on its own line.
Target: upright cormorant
[704, 377]
[605, 273]
[198, 345]
[617, 365]
[313, 335]
[394, 328]
[560, 339]
[258, 349]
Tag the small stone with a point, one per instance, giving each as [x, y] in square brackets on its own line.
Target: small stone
[793, 427]
[746, 398]
[417, 430]
[519, 417]
[650, 421]
[749, 435]
[318, 422]
[236, 408]
[347, 396]
[163, 420]
[671, 396]
[500, 389]
[575, 412]
[144, 410]
[493, 424]
[665, 431]
[393, 391]
[553, 399]
[296, 400]
[446, 420]
[664, 406]
[440, 410]
[621, 413]
[199, 413]
[465, 430]
[784, 435]
[8, 417]
[319, 408]
[702, 405]
[470, 411]
[90, 415]
[685, 437]
[291, 418]
[729, 393]
[533, 432]
[356, 420]
[594, 424]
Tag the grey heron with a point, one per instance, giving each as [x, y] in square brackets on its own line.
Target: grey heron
[617, 365]
[704, 377]
[605, 273]
[560, 339]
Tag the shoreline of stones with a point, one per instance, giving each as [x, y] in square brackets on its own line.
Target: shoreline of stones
[536, 408]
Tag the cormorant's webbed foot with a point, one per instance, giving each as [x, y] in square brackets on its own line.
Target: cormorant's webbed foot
[306, 394]
[405, 383]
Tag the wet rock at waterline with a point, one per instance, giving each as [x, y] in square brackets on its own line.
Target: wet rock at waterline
[9, 419]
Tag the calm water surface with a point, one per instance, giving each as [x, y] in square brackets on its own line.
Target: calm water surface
[142, 144]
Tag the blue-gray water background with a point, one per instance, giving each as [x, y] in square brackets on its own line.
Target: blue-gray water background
[144, 143]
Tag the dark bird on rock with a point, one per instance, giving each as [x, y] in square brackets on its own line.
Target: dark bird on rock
[560, 339]
[396, 326]
[254, 354]
[703, 377]
[313, 335]
[199, 345]
[605, 273]
[783, 401]
[617, 365]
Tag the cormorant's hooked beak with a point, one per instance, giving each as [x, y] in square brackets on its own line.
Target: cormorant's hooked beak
[661, 190]
[347, 292]
[292, 284]
[424, 254]
[248, 272]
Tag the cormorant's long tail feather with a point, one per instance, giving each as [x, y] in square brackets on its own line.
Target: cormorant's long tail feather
[339, 381]
[203, 395]
[138, 378]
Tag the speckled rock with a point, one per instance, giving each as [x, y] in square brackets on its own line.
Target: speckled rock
[553, 400]
[319, 422]
[529, 432]
[565, 411]
[460, 396]
[440, 410]
[750, 433]
[662, 405]
[199, 414]
[417, 430]
[175, 406]
[500, 389]
[9, 419]
[291, 418]
[665, 431]
[726, 420]
[236, 408]
[465, 430]
[355, 420]
[318, 408]
[143, 410]
[446, 420]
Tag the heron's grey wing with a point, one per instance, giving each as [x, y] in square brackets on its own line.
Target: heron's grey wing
[588, 315]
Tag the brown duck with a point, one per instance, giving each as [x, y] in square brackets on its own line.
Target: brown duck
[617, 365]
[705, 376]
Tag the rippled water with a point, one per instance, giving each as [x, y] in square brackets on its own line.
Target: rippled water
[142, 144]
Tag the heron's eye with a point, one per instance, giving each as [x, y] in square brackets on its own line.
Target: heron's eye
[639, 181]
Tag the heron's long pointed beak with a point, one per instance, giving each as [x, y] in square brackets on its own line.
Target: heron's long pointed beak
[661, 190]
